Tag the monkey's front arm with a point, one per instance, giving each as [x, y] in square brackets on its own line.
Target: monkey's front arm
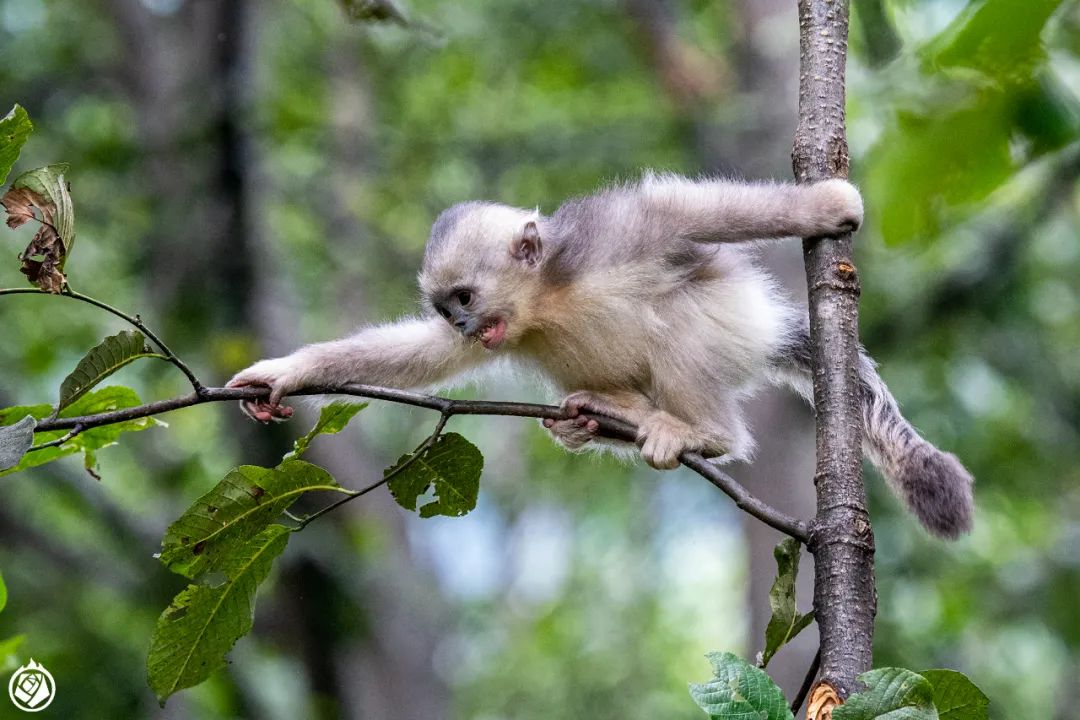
[726, 211]
[412, 353]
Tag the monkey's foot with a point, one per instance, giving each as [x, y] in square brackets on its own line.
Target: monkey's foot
[663, 437]
[574, 432]
[584, 401]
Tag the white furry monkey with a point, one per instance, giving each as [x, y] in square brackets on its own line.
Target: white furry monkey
[642, 302]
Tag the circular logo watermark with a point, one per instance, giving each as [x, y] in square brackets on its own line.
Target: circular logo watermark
[32, 687]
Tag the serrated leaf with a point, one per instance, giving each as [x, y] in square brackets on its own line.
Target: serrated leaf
[113, 353]
[45, 189]
[451, 467]
[246, 500]
[202, 623]
[956, 697]
[332, 419]
[15, 127]
[786, 621]
[891, 694]
[109, 398]
[15, 440]
[739, 691]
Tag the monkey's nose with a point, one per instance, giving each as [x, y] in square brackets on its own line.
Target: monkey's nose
[460, 324]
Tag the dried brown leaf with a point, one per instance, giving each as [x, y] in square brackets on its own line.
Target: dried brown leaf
[823, 699]
[42, 196]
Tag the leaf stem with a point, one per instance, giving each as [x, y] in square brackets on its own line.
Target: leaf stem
[808, 682]
[134, 320]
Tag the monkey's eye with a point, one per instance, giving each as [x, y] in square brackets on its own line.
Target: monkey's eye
[443, 311]
[464, 297]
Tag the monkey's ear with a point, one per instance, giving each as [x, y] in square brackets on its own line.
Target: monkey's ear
[527, 247]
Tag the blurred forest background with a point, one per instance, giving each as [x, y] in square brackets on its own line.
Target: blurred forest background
[253, 175]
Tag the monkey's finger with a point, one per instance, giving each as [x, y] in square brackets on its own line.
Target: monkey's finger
[581, 421]
[592, 426]
[549, 423]
[277, 392]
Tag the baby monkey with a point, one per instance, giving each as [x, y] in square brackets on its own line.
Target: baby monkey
[642, 302]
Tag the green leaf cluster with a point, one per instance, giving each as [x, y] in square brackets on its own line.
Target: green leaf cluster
[230, 532]
[88, 442]
[984, 105]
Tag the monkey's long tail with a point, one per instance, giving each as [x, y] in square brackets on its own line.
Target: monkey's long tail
[933, 484]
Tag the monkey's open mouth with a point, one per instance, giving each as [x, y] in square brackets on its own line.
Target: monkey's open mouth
[492, 334]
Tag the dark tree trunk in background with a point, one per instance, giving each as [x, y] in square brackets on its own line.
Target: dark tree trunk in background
[842, 539]
[213, 267]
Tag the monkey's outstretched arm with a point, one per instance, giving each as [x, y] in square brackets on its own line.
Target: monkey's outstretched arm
[411, 353]
[727, 211]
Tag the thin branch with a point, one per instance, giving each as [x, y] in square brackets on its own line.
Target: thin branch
[609, 427]
[134, 320]
[807, 683]
[58, 441]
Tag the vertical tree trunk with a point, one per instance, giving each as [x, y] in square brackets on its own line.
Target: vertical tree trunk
[842, 539]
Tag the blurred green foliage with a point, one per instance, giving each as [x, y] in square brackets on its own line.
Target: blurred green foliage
[579, 587]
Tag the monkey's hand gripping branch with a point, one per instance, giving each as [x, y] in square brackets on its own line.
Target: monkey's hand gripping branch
[608, 427]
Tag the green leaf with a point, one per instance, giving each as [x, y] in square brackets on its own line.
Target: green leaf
[739, 691]
[999, 38]
[15, 127]
[786, 621]
[110, 355]
[9, 659]
[3, 594]
[332, 419]
[15, 440]
[451, 466]
[891, 694]
[246, 500]
[202, 623]
[956, 697]
[114, 397]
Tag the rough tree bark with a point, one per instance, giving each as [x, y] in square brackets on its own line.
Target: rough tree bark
[842, 539]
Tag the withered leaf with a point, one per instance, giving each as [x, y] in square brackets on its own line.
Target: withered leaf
[42, 195]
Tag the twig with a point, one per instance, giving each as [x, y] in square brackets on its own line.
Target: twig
[414, 456]
[807, 683]
[58, 441]
[134, 320]
[609, 427]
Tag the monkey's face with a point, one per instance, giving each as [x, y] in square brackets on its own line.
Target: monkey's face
[481, 272]
[465, 309]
